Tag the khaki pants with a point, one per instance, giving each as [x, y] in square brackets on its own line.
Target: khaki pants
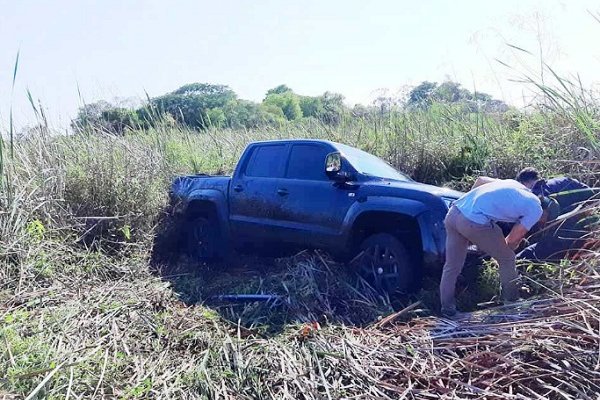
[489, 239]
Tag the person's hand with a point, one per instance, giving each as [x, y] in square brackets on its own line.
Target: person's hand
[515, 236]
[512, 244]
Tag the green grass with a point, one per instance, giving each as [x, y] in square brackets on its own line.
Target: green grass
[80, 306]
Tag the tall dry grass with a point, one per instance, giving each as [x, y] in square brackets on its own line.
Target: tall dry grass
[82, 316]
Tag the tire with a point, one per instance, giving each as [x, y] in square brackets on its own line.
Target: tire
[202, 239]
[386, 264]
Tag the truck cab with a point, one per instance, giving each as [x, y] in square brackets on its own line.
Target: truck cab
[319, 194]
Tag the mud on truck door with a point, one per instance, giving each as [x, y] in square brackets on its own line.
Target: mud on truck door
[253, 198]
[312, 206]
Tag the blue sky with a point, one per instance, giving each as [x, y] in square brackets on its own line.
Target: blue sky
[125, 48]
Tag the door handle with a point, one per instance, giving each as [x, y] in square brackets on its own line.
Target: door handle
[238, 188]
[282, 192]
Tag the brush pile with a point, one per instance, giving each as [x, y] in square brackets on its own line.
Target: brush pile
[541, 348]
[125, 333]
[84, 315]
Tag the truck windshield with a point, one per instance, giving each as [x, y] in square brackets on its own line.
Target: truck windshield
[368, 164]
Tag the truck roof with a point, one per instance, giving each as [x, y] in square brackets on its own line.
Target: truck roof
[335, 144]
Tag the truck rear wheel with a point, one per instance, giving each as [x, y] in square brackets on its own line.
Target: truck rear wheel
[202, 237]
[385, 263]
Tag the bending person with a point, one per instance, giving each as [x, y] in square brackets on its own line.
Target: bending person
[472, 219]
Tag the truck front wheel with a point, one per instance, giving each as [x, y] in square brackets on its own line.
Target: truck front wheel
[385, 263]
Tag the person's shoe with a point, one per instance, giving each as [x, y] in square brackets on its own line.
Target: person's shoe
[510, 302]
[449, 313]
[525, 291]
[452, 314]
[510, 293]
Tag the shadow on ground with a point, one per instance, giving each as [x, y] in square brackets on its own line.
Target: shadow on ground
[308, 287]
[305, 288]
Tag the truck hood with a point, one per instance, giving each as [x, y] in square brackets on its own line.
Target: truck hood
[418, 187]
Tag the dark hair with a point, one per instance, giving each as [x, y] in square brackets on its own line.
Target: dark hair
[528, 174]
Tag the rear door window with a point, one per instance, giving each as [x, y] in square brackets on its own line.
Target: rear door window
[267, 161]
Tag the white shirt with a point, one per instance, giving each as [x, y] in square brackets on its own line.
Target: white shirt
[504, 200]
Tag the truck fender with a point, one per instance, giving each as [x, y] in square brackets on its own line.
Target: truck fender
[407, 207]
[217, 198]
[431, 236]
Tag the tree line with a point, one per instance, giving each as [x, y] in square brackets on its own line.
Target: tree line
[203, 105]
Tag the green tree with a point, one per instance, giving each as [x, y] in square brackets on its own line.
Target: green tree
[271, 115]
[334, 108]
[449, 92]
[242, 114]
[247, 114]
[105, 117]
[279, 90]
[90, 115]
[117, 120]
[311, 106]
[215, 117]
[190, 103]
[421, 96]
[361, 111]
[217, 93]
[288, 102]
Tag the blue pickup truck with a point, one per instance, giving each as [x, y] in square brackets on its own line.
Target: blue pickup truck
[317, 194]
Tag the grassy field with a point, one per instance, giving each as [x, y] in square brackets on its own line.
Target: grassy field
[84, 312]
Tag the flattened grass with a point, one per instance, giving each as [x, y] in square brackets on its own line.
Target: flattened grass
[81, 315]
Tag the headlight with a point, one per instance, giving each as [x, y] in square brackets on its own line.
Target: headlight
[448, 201]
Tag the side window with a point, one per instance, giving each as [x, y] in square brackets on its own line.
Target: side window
[267, 161]
[307, 161]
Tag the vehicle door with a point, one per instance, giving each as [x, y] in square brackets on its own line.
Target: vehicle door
[253, 199]
[312, 206]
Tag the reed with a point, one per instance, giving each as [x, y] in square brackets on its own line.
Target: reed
[83, 314]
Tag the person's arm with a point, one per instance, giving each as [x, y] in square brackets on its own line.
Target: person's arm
[515, 236]
[543, 219]
[532, 212]
[482, 180]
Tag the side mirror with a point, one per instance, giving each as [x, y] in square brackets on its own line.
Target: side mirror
[333, 163]
[333, 168]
